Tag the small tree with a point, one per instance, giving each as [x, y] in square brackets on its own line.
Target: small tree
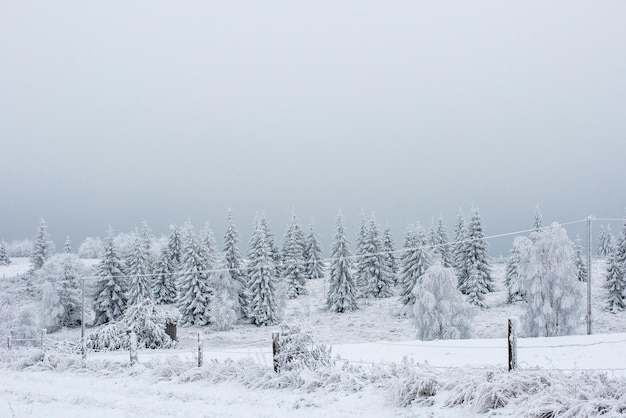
[475, 274]
[342, 288]
[233, 260]
[377, 275]
[175, 247]
[440, 310]
[606, 241]
[42, 247]
[164, 284]
[314, 267]
[226, 309]
[5, 260]
[293, 269]
[579, 262]
[415, 260]
[111, 286]
[441, 246]
[615, 284]
[67, 247]
[547, 270]
[138, 272]
[512, 278]
[389, 249]
[460, 241]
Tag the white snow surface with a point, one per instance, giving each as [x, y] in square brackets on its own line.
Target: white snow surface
[379, 362]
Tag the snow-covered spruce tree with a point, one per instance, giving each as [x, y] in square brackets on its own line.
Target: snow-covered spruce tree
[269, 238]
[537, 220]
[208, 245]
[379, 280]
[63, 272]
[263, 286]
[110, 294]
[314, 264]
[606, 241]
[389, 248]
[440, 310]
[226, 309]
[512, 279]
[579, 262]
[5, 260]
[42, 246]
[549, 276]
[342, 288]
[138, 273]
[441, 246]
[460, 238]
[164, 278]
[615, 284]
[175, 247]
[147, 238]
[233, 260]
[195, 295]
[67, 247]
[292, 271]
[359, 274]
[476, 280]
[414, 262]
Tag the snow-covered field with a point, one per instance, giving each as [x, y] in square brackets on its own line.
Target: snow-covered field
[383, 370]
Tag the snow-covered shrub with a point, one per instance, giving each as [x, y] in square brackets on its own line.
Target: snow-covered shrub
[297, 350]
[440, 310]
[91, 248]
[145, 319]
[413, 385]
[51, 309]
[26, 327]
[20, 248]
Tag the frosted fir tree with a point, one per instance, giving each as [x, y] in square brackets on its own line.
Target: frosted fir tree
[549, 276]
[342, 288]
[579, 262]
[293, 269]
[42, 246]
[111, 285]
[460, 241]
[389, 248]
[226, 309]
[441, 245]
[606, 241]
[67, 247]
[5, 260]
[265, 308]
[208, 245]
[538, 220]
[440, 310]
[63, 273]
[475, 279]
[233, 261]
[512, 280]
[195, 294]
[269, 237]
[314, 263]
[138, 272]
[175, 246]
[360, 275]
[615, 284]
[164, 278]
[146, 239]
[379, 280]
[415, 260]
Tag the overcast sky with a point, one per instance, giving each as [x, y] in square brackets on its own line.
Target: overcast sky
[116, 112]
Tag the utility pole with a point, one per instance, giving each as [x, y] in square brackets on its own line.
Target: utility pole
[589, 275]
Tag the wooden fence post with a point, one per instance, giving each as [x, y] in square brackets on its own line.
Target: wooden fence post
[276, 350]
[133, 347]
[9, 342]
[512, 342]
[199, 349]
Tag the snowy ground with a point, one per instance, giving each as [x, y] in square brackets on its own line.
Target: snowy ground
[371, 339]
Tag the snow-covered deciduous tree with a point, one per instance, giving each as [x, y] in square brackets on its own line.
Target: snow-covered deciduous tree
[265, 307]
[440, 310]
[233, 260]
[579, 262]
[314, 264]
[42, 246]
[475, 274]
[226, 309]
[616, 275]
[548, 273]
[5, 260]
[63, 273]
[51, 310]
[293, 269]
[195, 294]
[91, 248]
[20, 248]
[389, 248]
[512, 279]
[342, 288]
[164, 278]
[111, 286]
[379, 280]
[415, 260]
[138, 272]
[606, 241]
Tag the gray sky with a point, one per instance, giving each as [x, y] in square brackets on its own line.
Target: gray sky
[115, 112]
